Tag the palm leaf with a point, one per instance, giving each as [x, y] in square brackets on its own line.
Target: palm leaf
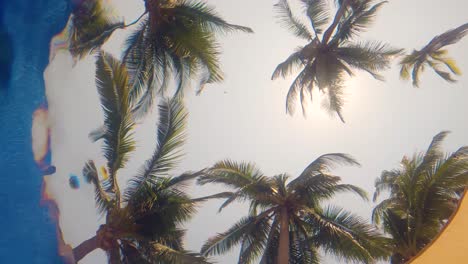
[170, 137]
[112, 84]
[348, 236]
[317, 12]
[206, 17]
[291, 22]
[235, 235]
[289, 65]
[359, 19]
[92, 24]
[324, 163]
[103, 200]
[418, 58]
[165, 254]
[371, 57]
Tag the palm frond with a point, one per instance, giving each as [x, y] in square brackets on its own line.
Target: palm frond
[245, 228]
[352, 188]
[418, 58]
[103, 199]
[318, 14]
[93, 24]
[289, 65]
[290, 21]
[206, 17]
[170, 137]
[448, 38]
[348, 236]
[232, 174]
[196, 44]
[112, 84]
[165, 254]
[223, 242]
[253, 242]
[360, 17]
[371, 57]
[324, 163]
[304, 80]
[335, 102]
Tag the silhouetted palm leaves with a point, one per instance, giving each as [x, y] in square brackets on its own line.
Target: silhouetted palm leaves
[331, 52]
[434, 56]
[286, 222]
[423, 195]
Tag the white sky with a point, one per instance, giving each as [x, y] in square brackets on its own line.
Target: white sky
[244, 118]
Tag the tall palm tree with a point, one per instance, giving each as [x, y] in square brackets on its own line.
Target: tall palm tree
[142, 221]
[433, 56]
[286, 221]
[424, 193]
[174, 38]
[331, 52]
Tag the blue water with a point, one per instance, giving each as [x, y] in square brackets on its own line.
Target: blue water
[27, 235]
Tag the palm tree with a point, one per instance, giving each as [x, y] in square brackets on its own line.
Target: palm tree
[424, 193]
[330, 53]
[142, 222]
[174, 38]
[433, 56]
[286, 221]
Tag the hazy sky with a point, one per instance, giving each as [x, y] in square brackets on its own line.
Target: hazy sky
[244, 117]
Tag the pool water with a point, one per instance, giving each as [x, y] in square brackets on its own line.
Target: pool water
[28, 234]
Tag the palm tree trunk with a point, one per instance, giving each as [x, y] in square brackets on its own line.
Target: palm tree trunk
[338, 16]
[283, 249]
[85, 248]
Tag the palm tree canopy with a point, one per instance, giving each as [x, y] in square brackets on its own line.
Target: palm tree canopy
[145, 221]
[92, 25]
[433, 56]
[310, 226]
[330, 53]
[423, 194]
[174, 39]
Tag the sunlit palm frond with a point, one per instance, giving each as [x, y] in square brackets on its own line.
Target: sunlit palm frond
[170, 137]
[348, 236]
[291, 22]
[93, 24]
[198, 45]
[113, 88]
[434, 56]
